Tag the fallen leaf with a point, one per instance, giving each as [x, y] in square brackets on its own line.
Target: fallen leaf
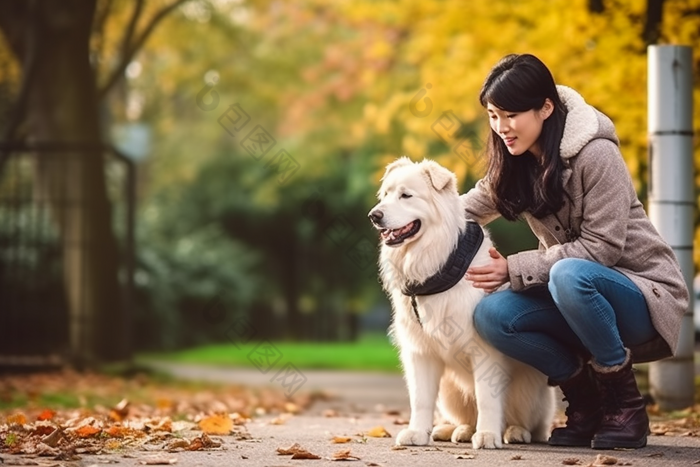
[220, 424]
[178, 444]
[464, 456]
[281, 420]
[53, 438]
[341, 439]
[17, 418]
[291, 407]
[378, 432]
[344, 455]
[571, 461]
[305, 455]
[297, 452]
[517, 458]
[159, 461]
[87, 431]
[396, 447]
[46, 414]
[202, 442]
[604, 460]
[120, 411]
[294, 448]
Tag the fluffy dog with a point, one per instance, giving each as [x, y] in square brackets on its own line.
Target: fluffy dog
[485, 396]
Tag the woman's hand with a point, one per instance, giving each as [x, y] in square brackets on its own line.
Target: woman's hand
[491, 276]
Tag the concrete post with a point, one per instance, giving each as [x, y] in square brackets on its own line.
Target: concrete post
[671, 203]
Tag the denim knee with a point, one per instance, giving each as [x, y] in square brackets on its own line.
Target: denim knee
[489, 321]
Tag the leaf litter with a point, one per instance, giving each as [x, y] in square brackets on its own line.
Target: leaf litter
[117, 414]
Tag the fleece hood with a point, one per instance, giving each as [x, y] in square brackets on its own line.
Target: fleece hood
[584, 123]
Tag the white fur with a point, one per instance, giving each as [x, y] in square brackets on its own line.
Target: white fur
[445, 361]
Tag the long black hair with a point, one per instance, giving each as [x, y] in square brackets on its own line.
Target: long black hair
[519, 83]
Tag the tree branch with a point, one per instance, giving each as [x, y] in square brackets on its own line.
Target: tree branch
[135, 46]
[129, 34]
[98, 30]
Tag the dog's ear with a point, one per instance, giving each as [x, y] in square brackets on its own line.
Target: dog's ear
[439, 176]
[400, 162]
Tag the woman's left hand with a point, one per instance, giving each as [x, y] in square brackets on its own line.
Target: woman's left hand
[491, 276]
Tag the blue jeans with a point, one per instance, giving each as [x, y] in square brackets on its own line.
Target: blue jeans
[587, 310]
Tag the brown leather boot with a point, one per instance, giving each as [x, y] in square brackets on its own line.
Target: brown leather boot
[584, 412]
[625, 420]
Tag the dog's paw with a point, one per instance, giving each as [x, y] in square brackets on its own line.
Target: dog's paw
[486, 440]
[408, 437]
[443, 432]
[463, 434]
[517, 435]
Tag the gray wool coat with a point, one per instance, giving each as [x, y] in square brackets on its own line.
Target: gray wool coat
[606, 221]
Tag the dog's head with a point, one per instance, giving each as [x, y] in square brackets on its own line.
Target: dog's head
[413, 197]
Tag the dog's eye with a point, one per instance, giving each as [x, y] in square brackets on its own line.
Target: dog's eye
[406, 195]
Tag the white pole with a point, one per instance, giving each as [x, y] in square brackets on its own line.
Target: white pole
[671, 203]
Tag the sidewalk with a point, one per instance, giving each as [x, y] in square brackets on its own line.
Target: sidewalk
[366, 400]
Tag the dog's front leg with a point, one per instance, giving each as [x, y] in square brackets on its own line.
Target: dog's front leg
[490, 381]
[422, 374]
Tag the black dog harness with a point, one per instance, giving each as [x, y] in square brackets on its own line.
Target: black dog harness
[452, 271]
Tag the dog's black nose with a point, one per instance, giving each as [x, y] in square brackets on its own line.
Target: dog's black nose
[376, 216]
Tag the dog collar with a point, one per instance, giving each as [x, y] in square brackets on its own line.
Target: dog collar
[452, 271]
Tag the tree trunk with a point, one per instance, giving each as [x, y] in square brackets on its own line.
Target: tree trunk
[62, 109]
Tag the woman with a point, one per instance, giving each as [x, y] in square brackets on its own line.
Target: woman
[603, 290]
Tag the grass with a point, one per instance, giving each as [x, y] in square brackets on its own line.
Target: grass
[372, 352]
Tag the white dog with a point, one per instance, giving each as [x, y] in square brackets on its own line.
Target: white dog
[479, 390]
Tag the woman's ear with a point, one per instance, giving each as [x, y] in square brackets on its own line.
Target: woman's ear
[547, 109]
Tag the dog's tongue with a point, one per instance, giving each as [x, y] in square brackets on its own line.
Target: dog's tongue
[392, 234]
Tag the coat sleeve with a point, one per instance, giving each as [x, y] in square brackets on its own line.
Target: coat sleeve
[608, 194]
[478, 204]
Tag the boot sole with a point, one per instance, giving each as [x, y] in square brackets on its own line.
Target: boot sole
[612, 444]
[570, 442]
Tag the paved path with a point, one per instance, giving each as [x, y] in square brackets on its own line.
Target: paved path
[362, 391]
[362, 400]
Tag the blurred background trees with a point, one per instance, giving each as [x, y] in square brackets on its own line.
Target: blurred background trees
[343, 88]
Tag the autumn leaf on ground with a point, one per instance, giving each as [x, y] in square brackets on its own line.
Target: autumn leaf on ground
[203, 442]
[344, 455]
[297, 452]
[571, 461]
[281, 420]
[378, 432]
[87, 431]
[159, 461]
[54, 438]
[120, 411]
[466, 455]
[178, 444]
[17, 418]
[46, 414]
[291, 407]
[604, 460]
[117, 431]
[341, 439]
[220, 424]
[305, 455]
[294, 448]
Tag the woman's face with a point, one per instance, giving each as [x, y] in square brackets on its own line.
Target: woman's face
[519, 130]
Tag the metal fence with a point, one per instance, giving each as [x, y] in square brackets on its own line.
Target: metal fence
[34, 317]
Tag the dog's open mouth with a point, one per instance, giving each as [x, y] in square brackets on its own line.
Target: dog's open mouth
[397, 236]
